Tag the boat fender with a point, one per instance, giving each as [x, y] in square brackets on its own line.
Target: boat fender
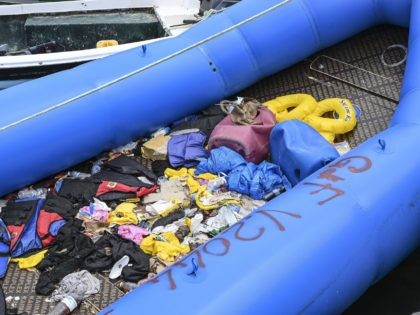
[302, 104]
[345, 119]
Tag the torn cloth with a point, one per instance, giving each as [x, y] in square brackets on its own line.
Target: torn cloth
[109, 249]
[166, 246]
[81, 283]
[30, 261]
[132, 232]
[187, 149]
[65, 256]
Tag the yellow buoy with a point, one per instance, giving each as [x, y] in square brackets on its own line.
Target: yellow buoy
[106, 43]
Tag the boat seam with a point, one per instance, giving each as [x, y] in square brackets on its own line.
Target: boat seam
[249, 49]
[377, 10]
[310, 16]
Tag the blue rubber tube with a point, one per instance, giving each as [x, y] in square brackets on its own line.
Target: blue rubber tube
[408, 111]
[47, 125]
[99, 105]
[314, 249]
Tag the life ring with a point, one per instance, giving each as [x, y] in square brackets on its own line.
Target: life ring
[302, 104]
[345, 121]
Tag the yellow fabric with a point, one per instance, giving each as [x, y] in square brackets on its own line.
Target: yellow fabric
[123, 214]
[205, 176]
[166, 246]
[31, 261]
[188, 223]
[175, 204]
[132, 200]
[190, 178]
[193, 185]
[171, 173]
[203, 192]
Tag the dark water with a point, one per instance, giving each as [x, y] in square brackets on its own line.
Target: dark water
[397, 294]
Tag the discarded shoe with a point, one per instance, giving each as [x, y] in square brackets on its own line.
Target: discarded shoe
[118, 267]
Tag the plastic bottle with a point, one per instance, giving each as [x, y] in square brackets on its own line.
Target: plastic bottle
[126, 286]
[12, 303]
[79, 175]
[67, 305]
[160, 132]
[32, 193]
[273, 193]
[97, 166]
[215, 184]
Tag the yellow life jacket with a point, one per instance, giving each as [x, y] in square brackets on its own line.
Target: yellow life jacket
[302, 104]
[307, 109]
[345, 121]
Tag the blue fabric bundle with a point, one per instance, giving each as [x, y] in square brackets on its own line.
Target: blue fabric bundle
[299, 150]
[246, 178]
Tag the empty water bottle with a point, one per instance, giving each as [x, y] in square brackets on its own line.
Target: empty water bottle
[79, 175]
[32, 193]
[12, 304]
[127, 286]
[67, 305]
[160, 132]
[273, 193]
[96, 168]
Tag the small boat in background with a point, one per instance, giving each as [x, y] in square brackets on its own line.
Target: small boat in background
[42, 38]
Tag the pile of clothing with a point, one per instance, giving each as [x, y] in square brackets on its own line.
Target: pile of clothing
[128, 213]
[133, 211]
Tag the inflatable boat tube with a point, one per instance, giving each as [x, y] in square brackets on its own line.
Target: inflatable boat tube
[314, 249]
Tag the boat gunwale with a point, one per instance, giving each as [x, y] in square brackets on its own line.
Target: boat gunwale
[162, 10]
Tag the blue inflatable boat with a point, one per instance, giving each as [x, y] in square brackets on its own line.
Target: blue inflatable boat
[312, 250]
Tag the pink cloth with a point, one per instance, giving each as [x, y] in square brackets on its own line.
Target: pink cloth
[100, 215]
[132, 232]
[94, 214]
